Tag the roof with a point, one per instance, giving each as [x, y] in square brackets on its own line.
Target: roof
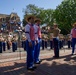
[14, 14]
[4, 15]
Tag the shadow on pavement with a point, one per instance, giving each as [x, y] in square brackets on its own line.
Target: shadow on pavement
[65, 65]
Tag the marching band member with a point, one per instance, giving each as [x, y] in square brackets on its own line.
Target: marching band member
[73, 37]
[51, 41]
[1, 43]
[9, 43]
[69, 40]
[56, 32]
[46, 40]
[23, 42]
[60, 42]
[38, 41]
[30, 42]
[43, 41]
[4, 43]
[14, 43]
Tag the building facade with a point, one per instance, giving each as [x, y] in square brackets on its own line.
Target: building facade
[9, 22]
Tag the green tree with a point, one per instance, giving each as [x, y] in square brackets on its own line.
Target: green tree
[31, 9]
[44, 15]
[65, 15]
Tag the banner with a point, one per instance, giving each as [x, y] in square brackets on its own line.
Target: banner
[11, 22]
[4, 25]
[19, 23]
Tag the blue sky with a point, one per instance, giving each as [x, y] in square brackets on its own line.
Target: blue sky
[7, 6]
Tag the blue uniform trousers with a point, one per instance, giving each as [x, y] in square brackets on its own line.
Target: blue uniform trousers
[37, 52]
[30, 54]
[56, 47]
[45, 44]
[4, 46]
[14, 46]
[24, 45]
[73, 44]
[0, 47]
[60, 44]
[8, 46]
[51, 44]
[42, 44]
[69, 44]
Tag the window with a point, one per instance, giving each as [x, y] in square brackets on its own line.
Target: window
[14, 18]
[3, 19]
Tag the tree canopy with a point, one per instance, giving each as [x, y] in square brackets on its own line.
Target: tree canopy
[44, 15]
[64, 15]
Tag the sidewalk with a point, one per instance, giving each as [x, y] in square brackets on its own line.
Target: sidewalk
[8, 55]
[65, 65]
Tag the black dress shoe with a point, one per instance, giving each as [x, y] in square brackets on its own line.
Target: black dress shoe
[38, 62]
[34, 67]
[55, 56]
[30, 69]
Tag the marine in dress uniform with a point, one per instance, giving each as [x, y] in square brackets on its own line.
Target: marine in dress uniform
[56, 32]
[9, 43]
[63, 41]
[14, 43]
[30, 42]
[24, 42]
[51, 41]
[37, 40]
[4, 43]
[69, 41]
[43, 41]
[46, 41]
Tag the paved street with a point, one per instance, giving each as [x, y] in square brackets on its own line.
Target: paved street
[66, 64]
